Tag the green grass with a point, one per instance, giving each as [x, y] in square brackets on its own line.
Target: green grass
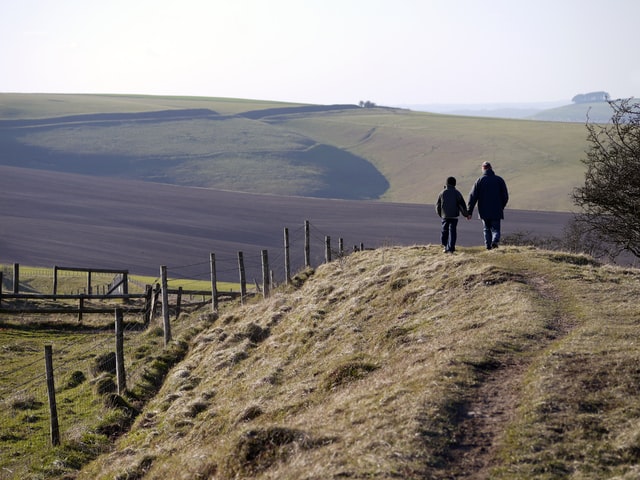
[40, 280]
[90, 412]
[394, 155]
[417, 151]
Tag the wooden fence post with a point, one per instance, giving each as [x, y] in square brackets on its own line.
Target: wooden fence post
[55, 279]
[178, 302]
[307, 246]
[125, 285]
[54, 428]
[80, 307]
[120, 372]
[154, 301]
[341, 247]
[16, 278]
[165, 305]
[265, 273]
[327, 249]
[89, 288]
[148, 295]
[1, 274]
[243, 278]
[214, 284]
[287, 262]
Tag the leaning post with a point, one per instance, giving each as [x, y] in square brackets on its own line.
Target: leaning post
[243, 278]
[120, 372]
[51, 390]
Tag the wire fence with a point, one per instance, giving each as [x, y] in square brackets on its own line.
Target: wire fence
[83, 357]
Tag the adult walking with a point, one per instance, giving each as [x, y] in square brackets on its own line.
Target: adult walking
[491, 195]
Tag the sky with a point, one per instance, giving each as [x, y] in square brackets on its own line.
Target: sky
[390, 52]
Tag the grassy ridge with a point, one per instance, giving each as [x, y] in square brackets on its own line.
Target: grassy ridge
[391, 363]
[46, 105]
[394, 155]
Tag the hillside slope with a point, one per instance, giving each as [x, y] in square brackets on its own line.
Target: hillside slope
[405, 363]
[330, 151]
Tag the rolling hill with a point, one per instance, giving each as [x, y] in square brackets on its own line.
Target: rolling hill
[339, 151]
[404, 363]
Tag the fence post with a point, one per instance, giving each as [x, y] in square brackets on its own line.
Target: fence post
[327, 249]
[307, 247]
[243, 278]
[80, 306]
[55, 429]
[214, 284]
[1, 274]
[265, 273]
[146, 315]
[125, 285]
[16, 278]
[287, 261]
[165, 306]
[154, 301]
[120, 373]
[178, 302]
[55, 280]
[89, 289]
[341, 247]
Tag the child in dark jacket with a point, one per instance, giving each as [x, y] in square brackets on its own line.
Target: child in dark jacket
[449, 205]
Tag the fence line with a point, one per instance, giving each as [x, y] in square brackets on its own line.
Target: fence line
[34, 391]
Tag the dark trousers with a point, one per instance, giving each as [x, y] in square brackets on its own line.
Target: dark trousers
[449, 234]
[491, 232]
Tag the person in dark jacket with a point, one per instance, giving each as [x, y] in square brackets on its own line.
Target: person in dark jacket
[491, 195]
[449, 205]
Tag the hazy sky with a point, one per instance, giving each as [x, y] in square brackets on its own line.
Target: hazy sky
[390, 52]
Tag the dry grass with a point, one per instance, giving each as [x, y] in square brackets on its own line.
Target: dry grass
[377, 367]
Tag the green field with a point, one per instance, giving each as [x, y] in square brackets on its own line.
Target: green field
[374, 153]
[89, 414]
[40, 280]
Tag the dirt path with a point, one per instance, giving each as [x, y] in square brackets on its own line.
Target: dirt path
[482, 429]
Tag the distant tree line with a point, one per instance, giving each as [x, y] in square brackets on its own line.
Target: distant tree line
[591, 97]
[367, 104]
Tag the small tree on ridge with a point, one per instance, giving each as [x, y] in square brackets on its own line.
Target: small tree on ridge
[610, 197]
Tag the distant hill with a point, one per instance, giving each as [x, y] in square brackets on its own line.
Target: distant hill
[598, 112]
[494, 110]
[594, 112]
[325, 151]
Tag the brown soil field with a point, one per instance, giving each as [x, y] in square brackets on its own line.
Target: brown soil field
[50, 218]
